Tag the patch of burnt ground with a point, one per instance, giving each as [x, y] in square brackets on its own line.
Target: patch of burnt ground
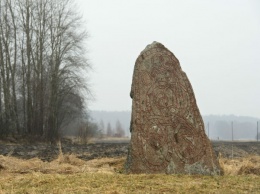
[48, 152]
[237, 149]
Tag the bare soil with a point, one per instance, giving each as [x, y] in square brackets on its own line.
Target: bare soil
[109, 148]
[237, 149]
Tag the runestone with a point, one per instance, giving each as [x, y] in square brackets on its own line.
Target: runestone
[167, 130]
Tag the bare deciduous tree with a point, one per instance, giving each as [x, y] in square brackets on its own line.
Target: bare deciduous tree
[120, 132]
[42, 66]
[109, 130]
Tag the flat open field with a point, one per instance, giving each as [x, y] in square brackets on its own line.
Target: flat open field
[113, 147]
[97, 168]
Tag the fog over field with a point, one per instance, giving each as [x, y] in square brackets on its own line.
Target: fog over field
[219, 127]
[217, 43]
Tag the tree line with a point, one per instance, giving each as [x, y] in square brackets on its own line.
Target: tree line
[42, 67]
[119, 131]
[86, 129]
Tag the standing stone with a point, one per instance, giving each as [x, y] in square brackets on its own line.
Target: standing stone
[167, 129]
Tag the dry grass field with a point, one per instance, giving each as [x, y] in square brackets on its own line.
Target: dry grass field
[68, 174]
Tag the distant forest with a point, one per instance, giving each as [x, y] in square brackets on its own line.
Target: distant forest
[218, 127]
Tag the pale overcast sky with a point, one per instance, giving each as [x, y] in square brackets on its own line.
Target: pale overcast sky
[217, 43]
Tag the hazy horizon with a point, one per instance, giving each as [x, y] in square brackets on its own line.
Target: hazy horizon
[118, 111]
[219, 126]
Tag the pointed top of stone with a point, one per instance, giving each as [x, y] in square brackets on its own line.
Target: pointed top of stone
[154, 44]
[157, 48]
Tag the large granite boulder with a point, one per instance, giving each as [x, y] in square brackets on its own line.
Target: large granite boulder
[167, 129]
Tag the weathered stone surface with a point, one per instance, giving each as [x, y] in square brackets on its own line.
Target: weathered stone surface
[167, 129]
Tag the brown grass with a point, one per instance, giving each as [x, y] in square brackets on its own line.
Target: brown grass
[69, 174]
[64, 164]
[241, 166]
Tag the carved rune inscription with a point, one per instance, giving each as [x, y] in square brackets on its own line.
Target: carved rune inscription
[167, 128]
